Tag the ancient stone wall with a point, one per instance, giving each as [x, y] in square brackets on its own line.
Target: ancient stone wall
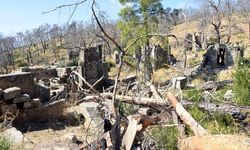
[92, 67]
[211, 58]
[22, 80]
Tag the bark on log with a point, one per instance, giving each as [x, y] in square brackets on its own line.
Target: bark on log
[185, 116]
[152, 103]
[215, 85]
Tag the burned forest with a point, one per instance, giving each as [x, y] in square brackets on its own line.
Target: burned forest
[127, 74]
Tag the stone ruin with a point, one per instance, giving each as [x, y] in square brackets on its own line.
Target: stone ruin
[32, 93]
[21, 96]
[158, 57]
[161, 57]
[193, 41]
[92, 67]
[73, 53]
[219, 55]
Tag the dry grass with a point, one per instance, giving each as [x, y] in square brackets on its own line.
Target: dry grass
[239, 33]
[225, 74]
[164, 74]
[198, 81]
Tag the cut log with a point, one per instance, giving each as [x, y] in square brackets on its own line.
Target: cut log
[130, 133]
[185, 116]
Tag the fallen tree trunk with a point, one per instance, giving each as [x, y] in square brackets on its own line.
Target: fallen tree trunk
[137, 100]
[215, 85]
[218, 107]
[151, 102]
[185, 116]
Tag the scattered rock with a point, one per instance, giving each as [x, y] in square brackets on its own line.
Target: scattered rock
[11, 93]
[229, 95]
[71, 137]
[22, 98]
[13, 135]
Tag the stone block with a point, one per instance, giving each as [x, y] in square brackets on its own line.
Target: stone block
[24, 69]
[42, 92]
[34, 103]
[51, 72]
[179, 82]
[90, 112]
[11, 93]
[9, 108]
[22, 98]
[92, 74]
[23, 80]
[89, 109]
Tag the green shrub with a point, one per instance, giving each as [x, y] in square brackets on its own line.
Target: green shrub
[193, 95]
[242, 85]
[127, 109]
[215, 123]
[166, 137]
[4, 144]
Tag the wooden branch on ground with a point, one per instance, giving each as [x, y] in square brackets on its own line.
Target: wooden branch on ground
[129, 136]
[137, 125]
[185, 116]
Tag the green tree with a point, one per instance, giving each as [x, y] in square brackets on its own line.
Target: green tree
[140, 18]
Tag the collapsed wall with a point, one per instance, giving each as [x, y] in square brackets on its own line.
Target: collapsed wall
[21, 97]
[219, 55]
[32, 92]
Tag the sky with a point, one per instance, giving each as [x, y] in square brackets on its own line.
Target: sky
[20, 15]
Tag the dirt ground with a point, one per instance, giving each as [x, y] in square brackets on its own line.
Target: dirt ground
[52, 134]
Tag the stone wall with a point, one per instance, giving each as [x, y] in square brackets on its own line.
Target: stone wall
[13, 102]
[92, 68]
[22, 80]
[210, 58]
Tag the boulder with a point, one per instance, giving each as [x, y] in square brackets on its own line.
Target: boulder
[34, 103]
[71, 137]
[13, 135]
[22, 98]
[91, 114]
[11, 93]
[229, 95]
